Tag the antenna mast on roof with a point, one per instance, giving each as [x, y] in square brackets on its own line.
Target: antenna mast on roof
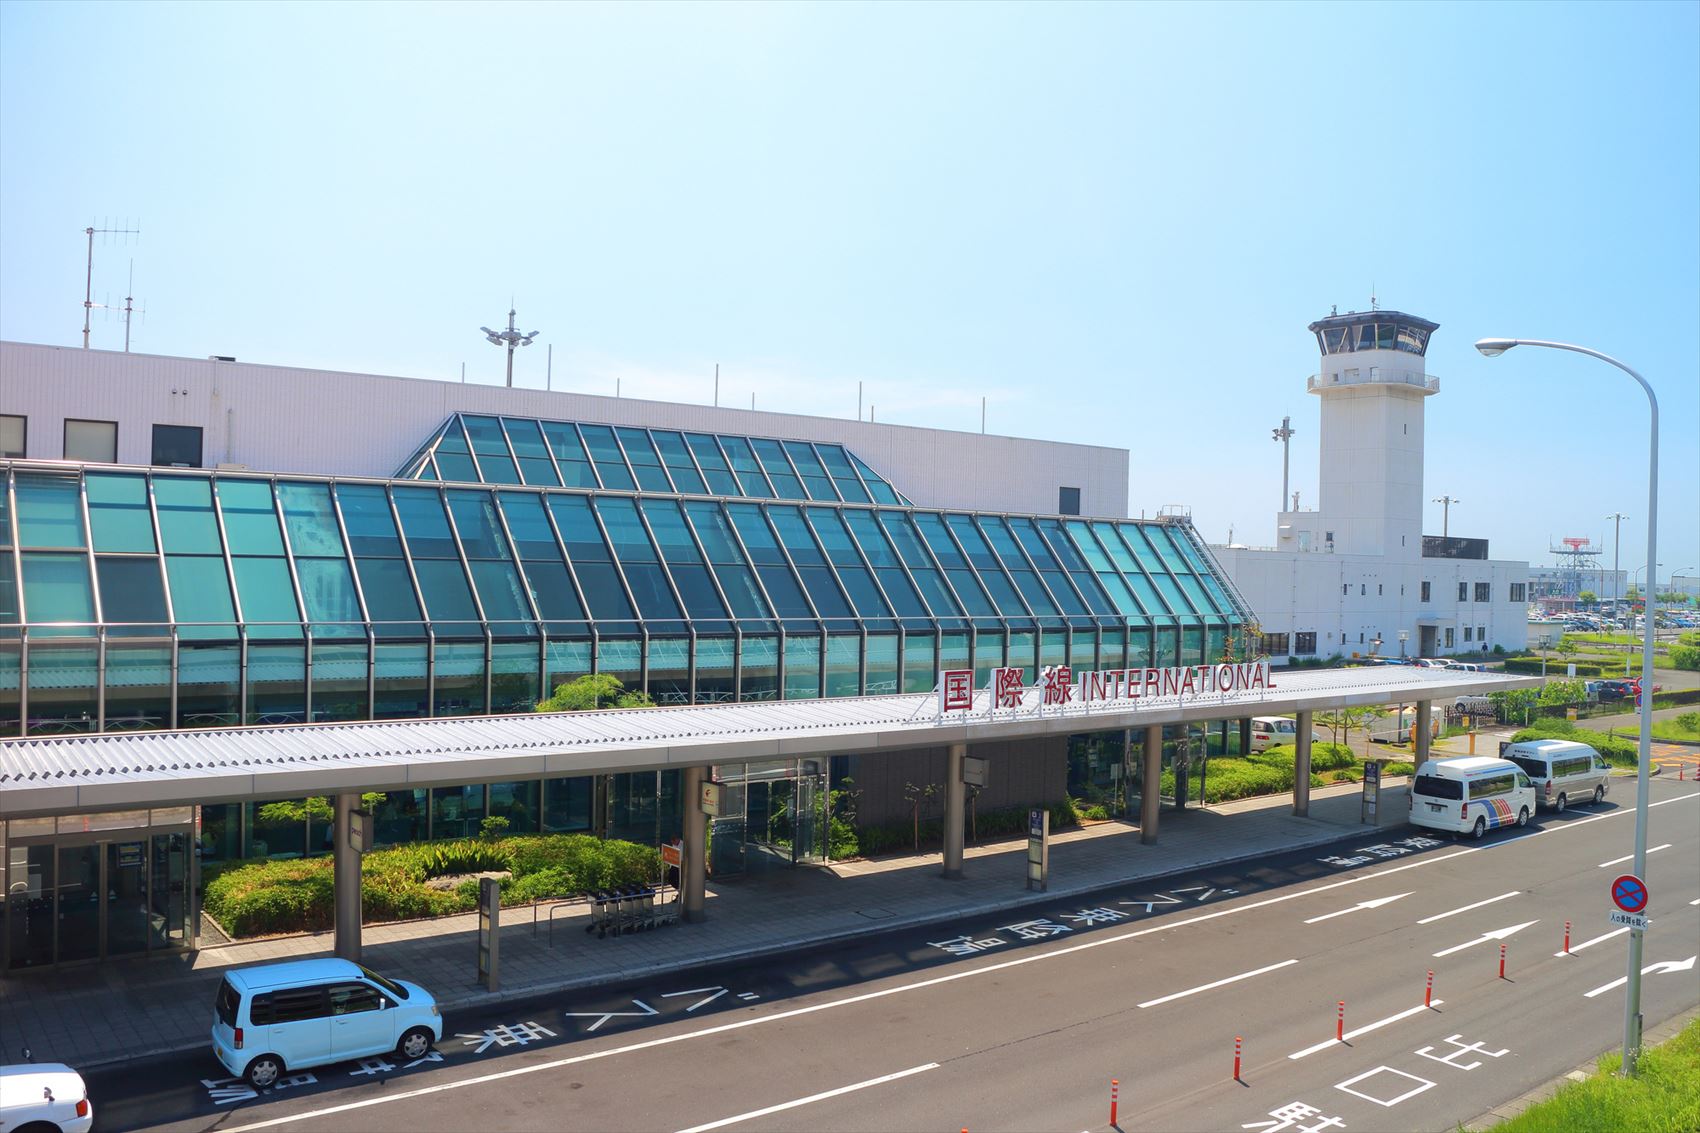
[129, 300]
[88, 280]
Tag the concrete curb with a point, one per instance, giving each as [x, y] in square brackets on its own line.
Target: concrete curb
[1664, 1032]
[936, 914]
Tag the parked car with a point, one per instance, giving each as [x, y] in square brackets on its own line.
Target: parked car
[1268, 731]
[48, 1097]
[274, 1018]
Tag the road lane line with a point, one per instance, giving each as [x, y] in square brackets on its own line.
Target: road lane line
[1375, 904]
[1218, 983]
[782, 1106]
[933, 981]
[1496, 934]
[1364, 1030]
[1631, 857]
[1467, 908]
[1596, 940]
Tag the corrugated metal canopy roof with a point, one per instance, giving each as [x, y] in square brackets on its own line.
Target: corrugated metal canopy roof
[102, 772]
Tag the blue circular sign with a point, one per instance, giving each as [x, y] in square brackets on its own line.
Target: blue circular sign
[1629, 893]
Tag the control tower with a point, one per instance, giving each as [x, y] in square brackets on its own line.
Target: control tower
[1372, 385]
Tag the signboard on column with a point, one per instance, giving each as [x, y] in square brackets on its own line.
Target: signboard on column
[974, 770]
[1372, 791]
[1038, 849]
[710, 800]
[489, 927]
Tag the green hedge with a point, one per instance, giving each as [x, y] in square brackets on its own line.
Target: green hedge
[1685, 656]
[1556, 665]
[1620, 751]
[262, 897]
[1004, 822]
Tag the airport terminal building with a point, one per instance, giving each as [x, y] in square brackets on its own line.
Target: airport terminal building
[192, 544]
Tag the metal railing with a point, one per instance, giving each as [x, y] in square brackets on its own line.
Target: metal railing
[1373, 375]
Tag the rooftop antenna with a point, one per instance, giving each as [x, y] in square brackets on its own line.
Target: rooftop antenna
[129, 300]
[1333, 309]
[1285, 435]
[1372, 304]
[509, 338]
[88, 280]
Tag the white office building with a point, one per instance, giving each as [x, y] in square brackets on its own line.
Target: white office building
[1356, 576]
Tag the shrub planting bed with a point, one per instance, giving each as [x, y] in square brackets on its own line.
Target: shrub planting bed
[257, 898]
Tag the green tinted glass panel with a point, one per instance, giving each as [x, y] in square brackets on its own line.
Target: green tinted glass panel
[447, 597]
[56, 589]
[250, 520]
[118, 512]
[424, 523]
[327, 588]
[475, 519]
[310, 519]
[186, 522]
[504, 600]
[200, 593]
[389, 596]
[131, 591]
[267, 595]
[50, 512]
[366, 513]
[529, 526]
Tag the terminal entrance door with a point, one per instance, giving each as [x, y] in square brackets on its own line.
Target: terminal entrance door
[773, 814]
[72, 898]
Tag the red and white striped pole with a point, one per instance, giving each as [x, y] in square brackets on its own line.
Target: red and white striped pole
[1428, 991]
[1567, 938]
[1340, 1026]
[1502, 961]
[1115, 1089]
[1236, 1058]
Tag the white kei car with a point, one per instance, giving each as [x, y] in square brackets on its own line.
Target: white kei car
[45, 1096]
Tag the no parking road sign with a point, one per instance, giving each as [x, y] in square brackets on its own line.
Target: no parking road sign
[1629, 893]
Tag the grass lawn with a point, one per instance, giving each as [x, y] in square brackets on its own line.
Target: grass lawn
[1663, 1097]
[1684, 727]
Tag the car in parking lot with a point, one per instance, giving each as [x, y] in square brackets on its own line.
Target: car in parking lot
[274, 1018]
[44, 1097]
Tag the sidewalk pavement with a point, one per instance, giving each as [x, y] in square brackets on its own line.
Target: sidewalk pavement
[120, 1010]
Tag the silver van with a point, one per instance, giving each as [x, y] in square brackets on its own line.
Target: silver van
[275, 1018]
[1563, 771]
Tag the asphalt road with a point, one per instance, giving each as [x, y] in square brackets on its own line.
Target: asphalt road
[1006, 1024]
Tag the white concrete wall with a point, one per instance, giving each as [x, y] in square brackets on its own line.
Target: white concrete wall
[285, 419]
[1348, 600]
[1371, 476]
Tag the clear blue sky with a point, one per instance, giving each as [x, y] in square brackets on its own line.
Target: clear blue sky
[1112, 221]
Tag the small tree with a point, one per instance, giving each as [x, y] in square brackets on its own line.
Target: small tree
[1587, 597]
[593, 691]
[918, 796]
[1517, 702]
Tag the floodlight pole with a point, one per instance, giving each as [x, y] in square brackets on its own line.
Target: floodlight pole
[1493, 347]
[510, 338]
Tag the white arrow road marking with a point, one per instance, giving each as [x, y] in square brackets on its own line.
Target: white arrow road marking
[1663, 966]
[602, 1017]
[755, 1113]
[1467, 908]
[1366, 1029]
[1596, 940]
[718, 992]
[1631, 857]
[1496, 934]
[1218, 983]
[1375, 904]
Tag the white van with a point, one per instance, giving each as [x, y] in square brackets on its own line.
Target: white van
[1563, 771]
[1471, 795]
[1268, 731]
[274, 1018]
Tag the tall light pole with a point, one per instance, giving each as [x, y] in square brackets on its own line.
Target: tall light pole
[1445, 503]
[509, 338]
[1492, 348]
[1284, 434]
[1616, 545]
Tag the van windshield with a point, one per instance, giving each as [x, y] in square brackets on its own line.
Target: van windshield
[1535, 767]
[388, 985]
[225, 1003]
[1436, 787]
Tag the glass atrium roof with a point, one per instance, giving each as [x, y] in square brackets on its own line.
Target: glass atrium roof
[148, 598]
[475, 449]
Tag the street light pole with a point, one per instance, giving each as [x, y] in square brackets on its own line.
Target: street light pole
[1616, 545]
[1445, 503]
[1493, 347]
[1284, 434]
[510, 338]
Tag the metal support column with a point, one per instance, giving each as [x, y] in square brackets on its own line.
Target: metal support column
[693, 865]
[347, 879]
[954, 806]
[1301, 766]
[1425, 726]
[1150, 794]
[1245, 737]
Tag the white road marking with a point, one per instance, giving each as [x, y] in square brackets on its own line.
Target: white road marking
[1375, 904]
[781, 1107]
[1364, 1030]
[1662, 966]
[932, 981]
[1596, 940]
[1631, 857]
[1467, 908]
[1696, 901]
[1218, 983]
[1496, 934]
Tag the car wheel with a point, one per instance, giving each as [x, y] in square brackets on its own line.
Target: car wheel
[414, 1044]
[38, 1127]
[1523, 817]
[1481, 829]
[1558, 807]
[264, 1071]
[1599, 794]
